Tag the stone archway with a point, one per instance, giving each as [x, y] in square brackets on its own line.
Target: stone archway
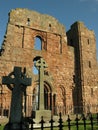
[49, 98]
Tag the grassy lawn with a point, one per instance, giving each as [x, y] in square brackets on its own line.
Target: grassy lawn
[73, 127]
[66, 128]
[1, 127]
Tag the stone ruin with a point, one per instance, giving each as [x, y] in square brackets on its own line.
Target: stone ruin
[70, 81]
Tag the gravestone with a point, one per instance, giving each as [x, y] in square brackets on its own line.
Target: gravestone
[41, 65]
[19, 81]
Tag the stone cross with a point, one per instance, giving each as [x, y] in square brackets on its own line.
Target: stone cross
[41, 65]
[20, 82]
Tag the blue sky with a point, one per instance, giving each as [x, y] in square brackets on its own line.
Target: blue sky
[66, 11]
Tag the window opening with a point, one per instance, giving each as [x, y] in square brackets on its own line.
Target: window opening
[49, 26]
[89, 64]
[88, 41]
[91, 92]
[38, 43]
[60, 45]
[34, 68]
[28, 21]
[47, 97]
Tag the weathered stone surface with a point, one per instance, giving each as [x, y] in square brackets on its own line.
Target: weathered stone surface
[72, 70]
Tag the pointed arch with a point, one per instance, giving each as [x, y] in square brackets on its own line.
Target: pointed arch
[48, 85]
[49, 98]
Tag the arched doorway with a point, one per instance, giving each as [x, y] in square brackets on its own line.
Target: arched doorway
[47, 97]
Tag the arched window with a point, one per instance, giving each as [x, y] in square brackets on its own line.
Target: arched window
[38, 43]
[34, 68]
[47, 96]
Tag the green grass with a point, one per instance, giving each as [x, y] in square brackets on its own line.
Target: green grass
[1, 127]
[73, 127]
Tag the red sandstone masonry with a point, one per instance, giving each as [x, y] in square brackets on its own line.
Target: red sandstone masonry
[56, 51]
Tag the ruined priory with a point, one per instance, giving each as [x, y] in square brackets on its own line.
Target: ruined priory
[70, 79]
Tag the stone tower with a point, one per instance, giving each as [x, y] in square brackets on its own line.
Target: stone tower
[70, 81]
[85, 78]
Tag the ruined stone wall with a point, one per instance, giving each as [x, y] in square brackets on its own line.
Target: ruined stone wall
[71, 59]
[90, 72]
[84, 42]
[18, 50]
